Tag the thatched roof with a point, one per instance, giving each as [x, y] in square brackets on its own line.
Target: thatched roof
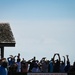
[6, 35]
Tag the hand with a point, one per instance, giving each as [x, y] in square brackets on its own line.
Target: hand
[63, 56]
[57, 53]
[67, 55]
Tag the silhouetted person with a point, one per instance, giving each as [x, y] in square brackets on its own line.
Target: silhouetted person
[73, 68]
[18, 64]
[50, 66]
[57, 63]
[3, 68]
[67, 67]
[24, 66]
[62, 65]
[32, 63]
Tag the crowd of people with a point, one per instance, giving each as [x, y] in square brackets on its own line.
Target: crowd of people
[10, 65]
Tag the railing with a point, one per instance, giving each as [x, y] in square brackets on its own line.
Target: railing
[20, 73]
[71, 73]
[17, 73]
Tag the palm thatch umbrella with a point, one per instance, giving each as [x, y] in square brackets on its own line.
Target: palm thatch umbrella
[6, 37]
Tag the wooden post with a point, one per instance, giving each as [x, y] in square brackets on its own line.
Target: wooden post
[2, 52]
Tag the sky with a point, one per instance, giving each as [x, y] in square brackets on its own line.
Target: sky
[41, 27]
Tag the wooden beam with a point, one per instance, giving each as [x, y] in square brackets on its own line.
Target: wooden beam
[7, 44]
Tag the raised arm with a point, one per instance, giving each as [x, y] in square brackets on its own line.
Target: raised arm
[64, 59]
[54, 57]
[59, 57]
[67, 58]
